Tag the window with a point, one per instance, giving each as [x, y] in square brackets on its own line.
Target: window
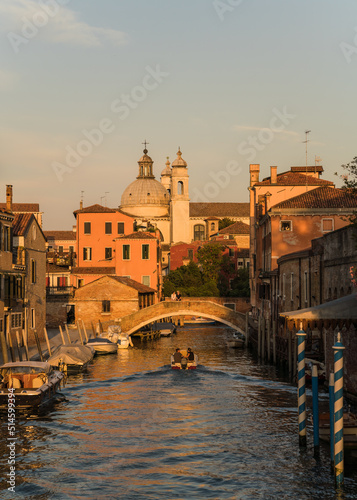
[180, 187]
[87, 253]
[230, 306]
[327, 225]
[199, 232]
[231, 252]
[33, 271]
[213, 226]
[190, 253]
[60, 249]
[120, 227]
[108, 228]
[240, 263]
[145, 280]
[285, 225]
[71, 249]
[105, 306]
[80, 283]
[291, 286]
[108, 253]
[87, 228]
[126, 252]
[284, 286]
[62, 281]
[145, 252]
[16, 320]
[33, 319]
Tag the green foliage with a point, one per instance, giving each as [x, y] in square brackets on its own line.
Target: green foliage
[350, 182]
[190, 281]
[225, 222]
[240, 284]
[209, 258]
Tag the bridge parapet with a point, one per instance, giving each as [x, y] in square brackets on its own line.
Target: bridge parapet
[204, 308]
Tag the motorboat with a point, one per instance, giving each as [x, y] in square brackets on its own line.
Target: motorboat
[165, 328]
[122, 339]
[185, 364]
[33, 383]
[72, 358]
[237, 341]
[349, 429]
[102, 345]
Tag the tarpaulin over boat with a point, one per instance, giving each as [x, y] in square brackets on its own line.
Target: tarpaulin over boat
[71, 355]
[342, 308]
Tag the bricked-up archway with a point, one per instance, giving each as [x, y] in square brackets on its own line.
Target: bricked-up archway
[205, 309]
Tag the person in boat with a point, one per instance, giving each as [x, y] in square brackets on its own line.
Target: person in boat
[190, 354]
[178, 295]
[173, 296]
[177, 356]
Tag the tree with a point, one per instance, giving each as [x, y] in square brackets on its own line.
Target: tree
[190, 281]
[225, 222]
[209, 258]
[350, 182]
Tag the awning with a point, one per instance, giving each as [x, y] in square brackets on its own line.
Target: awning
[343, 308]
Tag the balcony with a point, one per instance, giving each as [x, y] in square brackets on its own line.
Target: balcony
[59, 290]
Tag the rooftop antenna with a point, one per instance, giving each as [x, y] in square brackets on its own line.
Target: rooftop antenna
[101, 199]
[306, 141]
[318, 160]
[107, 192]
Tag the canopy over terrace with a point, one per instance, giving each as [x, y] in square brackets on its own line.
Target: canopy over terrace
[344, 308]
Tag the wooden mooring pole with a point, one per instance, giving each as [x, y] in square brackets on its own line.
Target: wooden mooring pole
[5, 355]
[24, 338]
[259, 335]
[62, 336]
[38, 345]
[274, 342]
[47, 341]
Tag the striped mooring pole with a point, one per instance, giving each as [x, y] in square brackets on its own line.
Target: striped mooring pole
[338, 411]
[301, 335]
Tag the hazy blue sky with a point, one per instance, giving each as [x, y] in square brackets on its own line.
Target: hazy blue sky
[231, 82]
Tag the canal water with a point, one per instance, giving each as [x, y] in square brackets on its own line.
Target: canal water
[132, 428]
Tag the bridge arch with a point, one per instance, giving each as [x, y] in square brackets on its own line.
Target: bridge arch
[204, 309]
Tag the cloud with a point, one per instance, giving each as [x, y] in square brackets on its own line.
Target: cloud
[54, 23]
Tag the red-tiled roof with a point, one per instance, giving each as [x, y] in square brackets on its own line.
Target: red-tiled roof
[322, 197]
[139, 235]
[95, 209]
[219, 209]
[237, 228]
[93, 270]
[134, 284]
[21, 223]
[23, 207]
[295, 179]
[54, 269]
[60, 235]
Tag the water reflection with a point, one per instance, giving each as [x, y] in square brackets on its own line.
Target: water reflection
[133, 428]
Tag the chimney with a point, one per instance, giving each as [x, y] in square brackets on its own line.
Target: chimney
[273, 175]
[254, 173]
[9, 198]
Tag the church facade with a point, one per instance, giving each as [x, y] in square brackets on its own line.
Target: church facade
[165, 205]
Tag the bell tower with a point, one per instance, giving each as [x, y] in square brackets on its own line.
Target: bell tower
[180, 201]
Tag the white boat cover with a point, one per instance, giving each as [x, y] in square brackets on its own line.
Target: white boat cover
[71, 355]
[342, 308]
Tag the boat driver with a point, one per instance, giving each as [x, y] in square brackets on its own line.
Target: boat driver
[190, 354]
[177, 356]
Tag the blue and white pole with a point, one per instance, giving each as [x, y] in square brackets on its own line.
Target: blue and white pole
[338, 428]
[331, 391]
[301, 335]
[315, 409]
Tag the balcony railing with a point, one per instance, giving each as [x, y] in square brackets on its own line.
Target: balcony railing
[59, 290]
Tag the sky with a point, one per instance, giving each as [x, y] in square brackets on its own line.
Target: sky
[231, 82]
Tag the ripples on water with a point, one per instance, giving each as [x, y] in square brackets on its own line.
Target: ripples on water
[132, 428]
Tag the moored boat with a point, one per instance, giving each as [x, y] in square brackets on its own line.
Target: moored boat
[102, 345]
[185, 364]
[237, 341]
[115, 335]
[72, 358]
[200, 321]
[165, 328]
[32, 383]
[349, 429]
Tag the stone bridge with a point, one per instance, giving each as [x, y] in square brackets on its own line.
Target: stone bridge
[167, 309]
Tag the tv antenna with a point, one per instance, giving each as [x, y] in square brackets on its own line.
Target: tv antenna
[305, 142]
[107, 192]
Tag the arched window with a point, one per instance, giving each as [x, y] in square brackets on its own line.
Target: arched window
[199, 232]
[180, 187]
[213, 226]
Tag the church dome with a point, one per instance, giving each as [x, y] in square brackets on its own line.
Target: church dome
[179, 162]
[145, 197]
[167, 169]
